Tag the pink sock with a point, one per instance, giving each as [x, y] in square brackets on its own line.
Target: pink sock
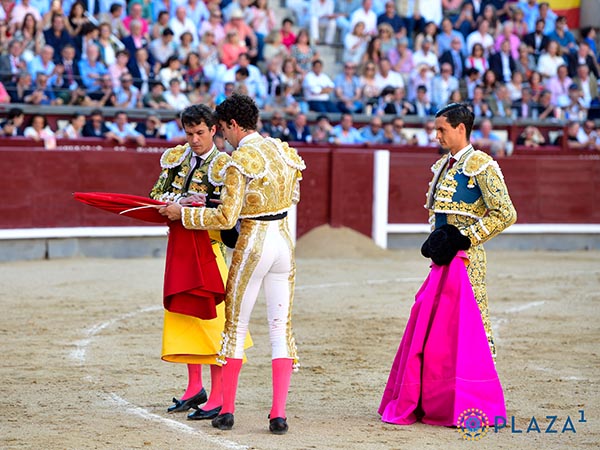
[282, 372]
[231, 373]
[215, 398]
[194, 381]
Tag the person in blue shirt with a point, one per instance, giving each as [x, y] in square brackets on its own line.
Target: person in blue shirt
[563, 36]
[531, 13]
[42, 63]
[373, 133]
[345, 133]
[549, 17]
[348, 90]
[92, 69]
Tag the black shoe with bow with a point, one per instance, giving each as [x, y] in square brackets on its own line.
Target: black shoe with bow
[192, 402]
[278, 425]
[201, 414]
[223, 421]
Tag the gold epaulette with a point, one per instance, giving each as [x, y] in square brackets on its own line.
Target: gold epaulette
[476, 163]
[174, 156]
[438, 164]
[289, 154]
[249, 161]
[216, 169]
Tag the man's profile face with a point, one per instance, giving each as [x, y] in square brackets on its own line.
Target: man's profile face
[200, 137]
[448, 137]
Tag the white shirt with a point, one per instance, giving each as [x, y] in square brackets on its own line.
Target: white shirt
[429, 58]
[475, 37]
[178, 102]
[392, 79]
[431, 11]
[179, 28]
[368, 17]
[460, 153]
[319, 9]
[313, 85]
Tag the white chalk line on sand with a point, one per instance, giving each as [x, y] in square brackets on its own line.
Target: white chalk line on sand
[79, 353]
[145, 414]
[526, 306]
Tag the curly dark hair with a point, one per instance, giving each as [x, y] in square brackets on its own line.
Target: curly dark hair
[197, 114]
[456, 113]
[240, 108]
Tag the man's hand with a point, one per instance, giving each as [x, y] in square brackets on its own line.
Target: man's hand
[171, 210]
[194, 200]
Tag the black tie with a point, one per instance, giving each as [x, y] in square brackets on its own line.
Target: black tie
[197, 163]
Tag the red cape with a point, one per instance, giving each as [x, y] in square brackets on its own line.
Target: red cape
[193, 283]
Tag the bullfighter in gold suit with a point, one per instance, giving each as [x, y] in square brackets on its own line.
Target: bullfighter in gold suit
[260, 183]
[468, 191]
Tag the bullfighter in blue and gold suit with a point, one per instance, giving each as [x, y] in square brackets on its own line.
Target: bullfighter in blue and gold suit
[468, 191]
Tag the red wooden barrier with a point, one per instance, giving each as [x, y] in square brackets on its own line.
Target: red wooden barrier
[546, 187]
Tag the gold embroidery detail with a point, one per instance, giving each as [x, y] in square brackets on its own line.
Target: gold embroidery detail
[250, 160]
[476, 162]
[243, 263]
[217, 167]
[173, 157]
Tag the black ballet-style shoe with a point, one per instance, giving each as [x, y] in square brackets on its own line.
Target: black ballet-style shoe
[192, 402]
[223, 421]
[278, 425]
[201, 414]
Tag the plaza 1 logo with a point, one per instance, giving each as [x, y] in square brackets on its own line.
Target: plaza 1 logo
[552, 424]
[472, 424]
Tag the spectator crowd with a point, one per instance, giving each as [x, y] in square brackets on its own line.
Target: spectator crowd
[399, 58]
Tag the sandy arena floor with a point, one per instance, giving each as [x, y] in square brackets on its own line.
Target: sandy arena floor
[82, 368]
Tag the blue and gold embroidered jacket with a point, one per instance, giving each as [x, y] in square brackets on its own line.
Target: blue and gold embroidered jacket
[472, 195]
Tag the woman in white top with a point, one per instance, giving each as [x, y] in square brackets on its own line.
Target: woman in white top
[515, 87]
[172, 70]
[108, 44]
[186, 45]
[355, 44]
[477, 59]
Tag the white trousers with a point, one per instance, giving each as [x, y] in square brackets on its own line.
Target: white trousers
[264, 256]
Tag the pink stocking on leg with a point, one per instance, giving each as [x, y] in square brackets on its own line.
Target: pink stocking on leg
[282, 373]
[216, 388]
[231, 373]
[194, 381]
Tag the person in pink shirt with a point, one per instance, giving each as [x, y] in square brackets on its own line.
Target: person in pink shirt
[215, 25]
[508, 34]
[245, 33]
[135, 13]
[288, 38]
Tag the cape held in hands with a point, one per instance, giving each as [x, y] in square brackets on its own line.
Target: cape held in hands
[136, 206]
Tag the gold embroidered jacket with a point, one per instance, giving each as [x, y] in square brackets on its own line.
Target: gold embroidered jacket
[471, 195]
[262, 177]
[176, 164]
